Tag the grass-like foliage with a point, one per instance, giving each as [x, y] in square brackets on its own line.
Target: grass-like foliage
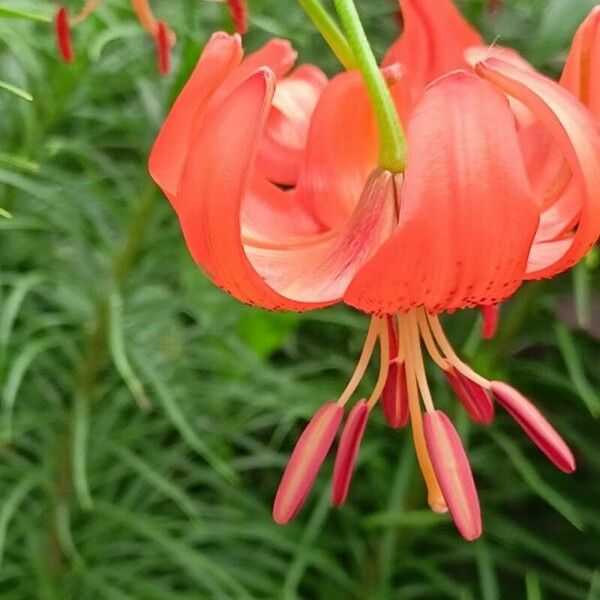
[145, 417]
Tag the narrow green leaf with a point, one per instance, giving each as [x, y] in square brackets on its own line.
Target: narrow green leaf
[11, 504]
[575, 368]
[535, 482]
[116, 337]
[13, 13]
[532, 585]
[81, 426]
[17, 91]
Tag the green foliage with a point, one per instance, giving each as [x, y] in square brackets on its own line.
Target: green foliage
[145, 416]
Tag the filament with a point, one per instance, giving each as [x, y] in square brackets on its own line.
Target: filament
[430, 344]
[413, 343]
[145, 16]
[447, 349]
[384, 364]
[85, 12]
[363, 362]
[435, 497]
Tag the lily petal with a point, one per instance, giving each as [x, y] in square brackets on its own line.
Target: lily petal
[348, 451]
[453, 472]
[341, 150]
[218, 73]
[577, 134]
[533, 423]
[452, 249]
[220, 56]
[282, 149]
[306, 460]
[580, 75]
[433, 41]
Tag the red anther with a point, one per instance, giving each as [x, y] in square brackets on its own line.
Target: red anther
[453, 472]
[394, 397]
[306, 460]
[63, 35]
[163, 47]
[491, 316]
[472, 396]
[239, 14]
[535, 425]
[494, 6]
[348, 451]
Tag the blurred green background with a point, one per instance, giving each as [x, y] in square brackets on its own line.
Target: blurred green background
[145, 417]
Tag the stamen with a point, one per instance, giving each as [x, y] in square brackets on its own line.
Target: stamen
[63, 35]
[150, 23]
[414, 350]
[306, 460]
[145, 16]
[85, 12]
[394, 397]
[490, 316]
[430, 344]
[363, 362]
[348, 451]
[162, 48]
[239, 14]
[446, 347]
[435, 497]
[384, 364]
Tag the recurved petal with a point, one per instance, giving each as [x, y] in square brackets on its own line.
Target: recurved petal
[433, 41]
[472, 396]
[453, 472]
[451, 249]
[341, 150]
[581, 73]
[348, 451]
[533, 423]
[306, 460]
[220, 56]
[218, 205]
[316, 270]
[576, 134]
[282, 149]
[216, 178]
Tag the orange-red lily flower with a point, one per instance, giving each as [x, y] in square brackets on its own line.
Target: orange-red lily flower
[472, 216]
[163, 36]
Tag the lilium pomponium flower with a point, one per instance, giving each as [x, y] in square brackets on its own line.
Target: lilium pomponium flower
[464, 224]
[164, 38]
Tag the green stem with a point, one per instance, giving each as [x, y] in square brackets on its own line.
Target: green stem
[330, 32]
[392, 145]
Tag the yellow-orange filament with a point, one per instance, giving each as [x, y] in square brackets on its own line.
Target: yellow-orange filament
[145, 16]
[373, 333]
[446, 347]
[435, 497]
[384, 364]
[429, 342]
[148, 20]
[88, 8]
[416, 358]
